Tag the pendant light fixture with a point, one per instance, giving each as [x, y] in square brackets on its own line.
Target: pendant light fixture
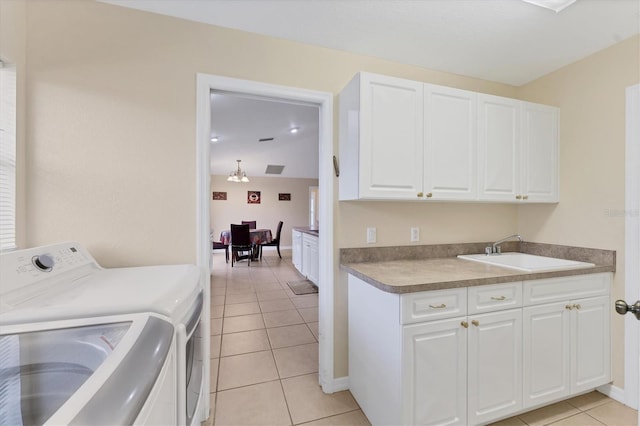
[238, 175]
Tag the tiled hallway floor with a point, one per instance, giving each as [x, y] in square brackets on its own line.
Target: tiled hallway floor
[264, 358]
[264, 349]
[590, 409]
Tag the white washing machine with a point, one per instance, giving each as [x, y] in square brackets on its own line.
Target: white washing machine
[117, 370]
[64, 282]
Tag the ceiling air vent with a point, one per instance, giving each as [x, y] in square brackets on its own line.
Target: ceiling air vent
[265, 140]
[273, 170]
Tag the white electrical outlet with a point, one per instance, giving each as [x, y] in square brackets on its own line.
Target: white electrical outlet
[371, 235]
[415, 234]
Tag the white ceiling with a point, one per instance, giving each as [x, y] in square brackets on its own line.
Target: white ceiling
[507, 41]
[239, 123]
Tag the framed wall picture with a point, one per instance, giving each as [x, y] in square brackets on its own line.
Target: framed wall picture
[284, 196]
[219, 195]
[253, 197]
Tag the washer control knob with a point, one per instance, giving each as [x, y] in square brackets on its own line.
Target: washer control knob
[43, 262]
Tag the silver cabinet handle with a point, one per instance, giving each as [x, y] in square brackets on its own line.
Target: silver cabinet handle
[441, 306]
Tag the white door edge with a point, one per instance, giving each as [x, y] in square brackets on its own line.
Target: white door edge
[324, 100]
[632, 246]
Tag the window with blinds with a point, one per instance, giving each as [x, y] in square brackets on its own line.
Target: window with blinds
[7, 157]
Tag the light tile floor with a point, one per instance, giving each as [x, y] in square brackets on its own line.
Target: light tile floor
[589, 409]
[264, 350]
[264, 358]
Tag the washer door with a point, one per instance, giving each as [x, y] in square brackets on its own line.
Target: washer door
[41, 370]
[82, 375]
[124, 393]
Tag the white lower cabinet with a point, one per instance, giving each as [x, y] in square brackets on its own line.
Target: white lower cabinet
[296, 249]
[435, 373]
[473, 356]
[305, 255]
[454, 372]
[310, 258]
[566, 348]
[494, 360]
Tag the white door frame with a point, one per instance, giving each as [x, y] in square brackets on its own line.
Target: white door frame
[632, 246]
[205, 84]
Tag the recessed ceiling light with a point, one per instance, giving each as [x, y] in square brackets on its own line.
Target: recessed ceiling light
[555, 5]
[214, 139]
[294, 130]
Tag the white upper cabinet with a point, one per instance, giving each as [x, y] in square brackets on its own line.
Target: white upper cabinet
[450, 136]
[381, 148]
[498, 147]
[539, 153]
[406, 140]
[518, 151]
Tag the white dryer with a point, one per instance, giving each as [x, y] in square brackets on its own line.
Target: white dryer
[64, 282]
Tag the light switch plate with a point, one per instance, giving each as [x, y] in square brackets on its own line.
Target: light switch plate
[371, 235]
[415, 234]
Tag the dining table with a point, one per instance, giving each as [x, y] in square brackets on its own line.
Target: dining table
[257, 236]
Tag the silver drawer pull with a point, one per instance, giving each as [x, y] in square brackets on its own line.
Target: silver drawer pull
[441, 306]
[498, 297]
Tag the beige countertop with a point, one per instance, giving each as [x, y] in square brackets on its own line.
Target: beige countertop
[306, 230]
[422, 274]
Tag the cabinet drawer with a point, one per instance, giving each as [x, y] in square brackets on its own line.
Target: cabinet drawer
[433, 305]
[566, 288]
[495, 297]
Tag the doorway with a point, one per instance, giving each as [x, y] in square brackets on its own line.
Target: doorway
[324, 101]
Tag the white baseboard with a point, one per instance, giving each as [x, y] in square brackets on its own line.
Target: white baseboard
[336, 385]
[273, 248]
[612, 392]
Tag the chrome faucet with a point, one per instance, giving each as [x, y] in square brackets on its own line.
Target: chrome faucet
[495, 248]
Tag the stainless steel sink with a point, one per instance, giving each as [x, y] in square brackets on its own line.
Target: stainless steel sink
[526, 262]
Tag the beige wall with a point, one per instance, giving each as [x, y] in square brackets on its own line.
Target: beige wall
[111, 118]
[591, 97]
[270, 210]
[111, 141]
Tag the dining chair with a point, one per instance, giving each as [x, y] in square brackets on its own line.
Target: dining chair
[274, 242]
[241, 243]
[251, 223]
[218, 245]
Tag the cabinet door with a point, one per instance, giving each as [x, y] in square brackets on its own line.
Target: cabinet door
[498, 148]
[311, 247]
[539, 153]
[296, 250]
[450, 142]
[495, 365]
[591, 349]
[435, 373]
[546, 352]
[306, 257]
[391, 144]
